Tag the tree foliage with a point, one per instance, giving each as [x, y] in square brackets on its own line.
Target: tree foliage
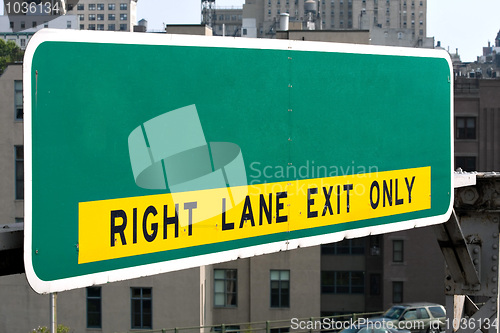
[9, 53]
[44, 329]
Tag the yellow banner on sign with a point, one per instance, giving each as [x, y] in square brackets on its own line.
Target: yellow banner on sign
[118, 228]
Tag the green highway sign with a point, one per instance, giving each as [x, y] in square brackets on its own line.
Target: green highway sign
[148, 153]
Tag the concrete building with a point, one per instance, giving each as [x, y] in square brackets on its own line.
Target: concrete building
[477, 119]
[227, 21]
[20, 23]
[413, 267]
[11, 146]
[262, 17]
[21, 38]
[109, 15]
[189, 29]
[335, 36]
[402, 37]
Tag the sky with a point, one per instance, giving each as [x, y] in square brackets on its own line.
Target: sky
[464, 24]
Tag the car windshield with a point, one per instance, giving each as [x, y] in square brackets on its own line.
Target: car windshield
[393, 313]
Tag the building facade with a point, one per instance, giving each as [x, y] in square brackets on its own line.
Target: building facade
[263, 16]
[11, 146]
[31, 16]
[477, 119]
[22, 19]
[227, 21]
[108, 15]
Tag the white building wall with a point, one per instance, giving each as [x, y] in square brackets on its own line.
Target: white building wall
[249, 28]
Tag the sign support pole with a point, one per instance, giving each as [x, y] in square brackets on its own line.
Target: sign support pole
[53, 312]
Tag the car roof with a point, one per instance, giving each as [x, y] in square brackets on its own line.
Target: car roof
[416, 304]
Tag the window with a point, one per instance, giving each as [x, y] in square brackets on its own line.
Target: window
[100, 6]
[23, 42]
[466, 128]
[91, 6]
[94, 309]
[335, 282]
[69, 6]
[397, 292]
[345, 247]
[81, 17]
[91, 17]
[91, 26]
[82, 26]
[422, 313]
[111, 27]
[123, 27]
[19, 152]
[45, 24]
[229, 328]
[18, 99]
[100, 17]
[466, 163]
[410, 314]
[80, 6]
[111, 6]
[225, 287]
[123, 17]
[111, 17]
[100, 27]
[123, 6]
[397, 250]
[68, 24]
[280, 289]
[142, 307]
[12, 25]
[23, 25]
[437, 311]
[375, 245]
[33, 24]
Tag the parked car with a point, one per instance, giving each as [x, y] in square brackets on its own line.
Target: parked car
[416, 317]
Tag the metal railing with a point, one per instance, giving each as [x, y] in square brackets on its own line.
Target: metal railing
[296, 325]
